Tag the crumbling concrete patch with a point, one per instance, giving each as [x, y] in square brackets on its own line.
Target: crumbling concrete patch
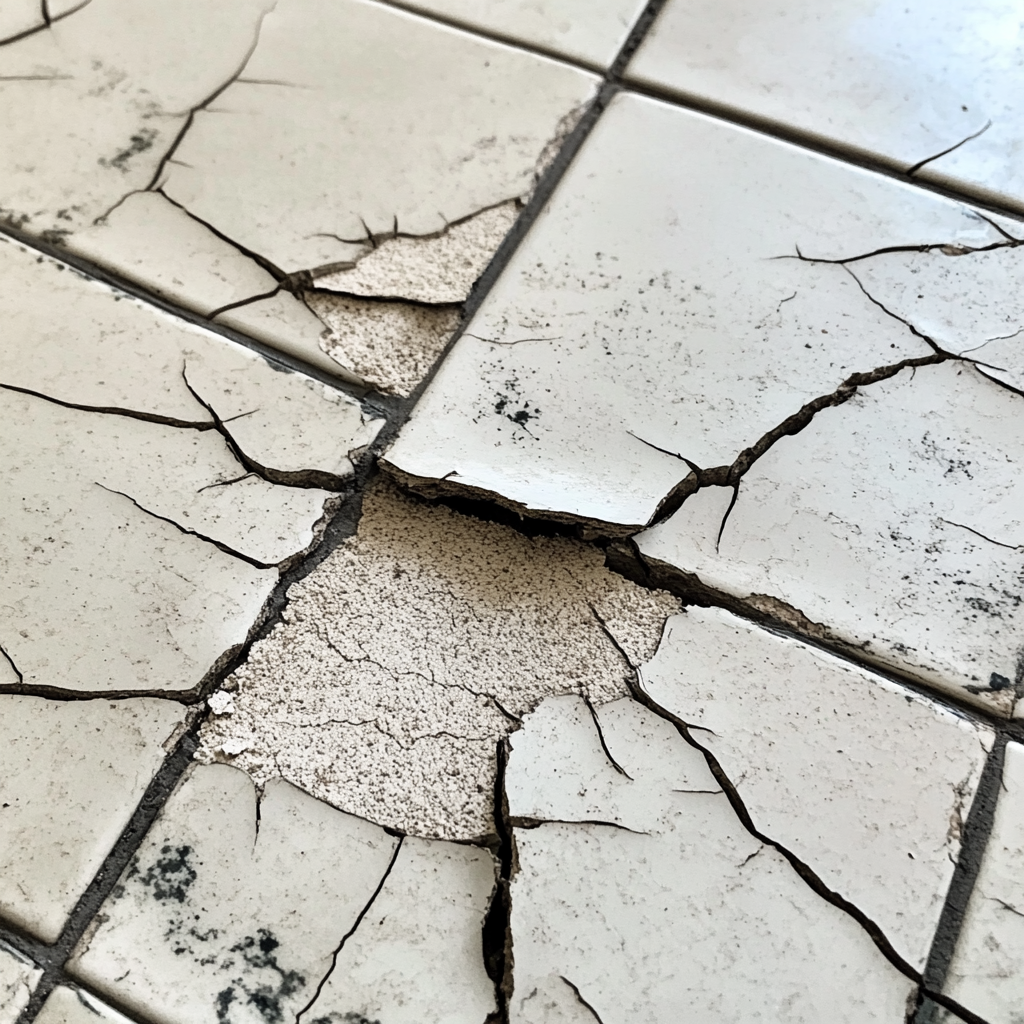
[417, 645]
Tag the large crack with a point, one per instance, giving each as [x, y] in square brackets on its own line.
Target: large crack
[497, 939]
[348, 935]
[804, 870]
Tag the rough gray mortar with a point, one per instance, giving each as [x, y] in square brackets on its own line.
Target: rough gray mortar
[51, 958]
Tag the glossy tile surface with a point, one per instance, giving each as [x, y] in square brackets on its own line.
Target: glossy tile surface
[220, 155]
[900, 82]
[658, 315]
[591, 31]
[177, 470]
[867, 783]
[485, 539]
[72, 773]
[891, 524]
[73, 1006]
[204, 922]
[683, 874]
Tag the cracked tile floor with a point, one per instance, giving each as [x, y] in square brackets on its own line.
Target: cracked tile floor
[511, 512]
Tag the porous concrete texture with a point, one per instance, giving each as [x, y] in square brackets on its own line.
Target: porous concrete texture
[420, 643]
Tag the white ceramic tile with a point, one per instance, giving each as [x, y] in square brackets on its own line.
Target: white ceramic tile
[590, 31]
[648, 305]
[210, 153]
[406, 656]
[865, 782]
[230, 911]
[417, 957]
[73, 1006]
[72, 774]
[18, 17]
[891, 524]
[18, 978]
[900, 81]
[90, 107]
[985, 973]
[86, 550]
[685, 916]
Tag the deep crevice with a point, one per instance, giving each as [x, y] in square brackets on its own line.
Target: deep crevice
[497, 927]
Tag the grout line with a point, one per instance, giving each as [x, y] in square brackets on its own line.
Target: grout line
[492, 35]
[53, 958]
[976, 833]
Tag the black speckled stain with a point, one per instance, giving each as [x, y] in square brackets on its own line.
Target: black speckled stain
[267, 998]
[142, 140]
[996, 682]
[169, 877]
[344, 1018]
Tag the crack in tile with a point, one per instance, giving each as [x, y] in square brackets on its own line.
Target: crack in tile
[309, 478]
[579, 998]
[911, 171]
[190, 532]
[358, 921]
[47, 22]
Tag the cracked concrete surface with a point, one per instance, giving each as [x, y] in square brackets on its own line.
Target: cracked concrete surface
[18, 977]
[420, 643]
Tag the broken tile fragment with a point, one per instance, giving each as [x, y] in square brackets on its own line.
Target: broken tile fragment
[985, 975]
[157, 474]
[657, 318]
[866, 782]
[71, 775]
[413, 648]
[18, 979]
[66, 1005]
[681, 913]
[590, 31]
[891, 525]
[930, 90]
[417, 956]
[232, 904]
